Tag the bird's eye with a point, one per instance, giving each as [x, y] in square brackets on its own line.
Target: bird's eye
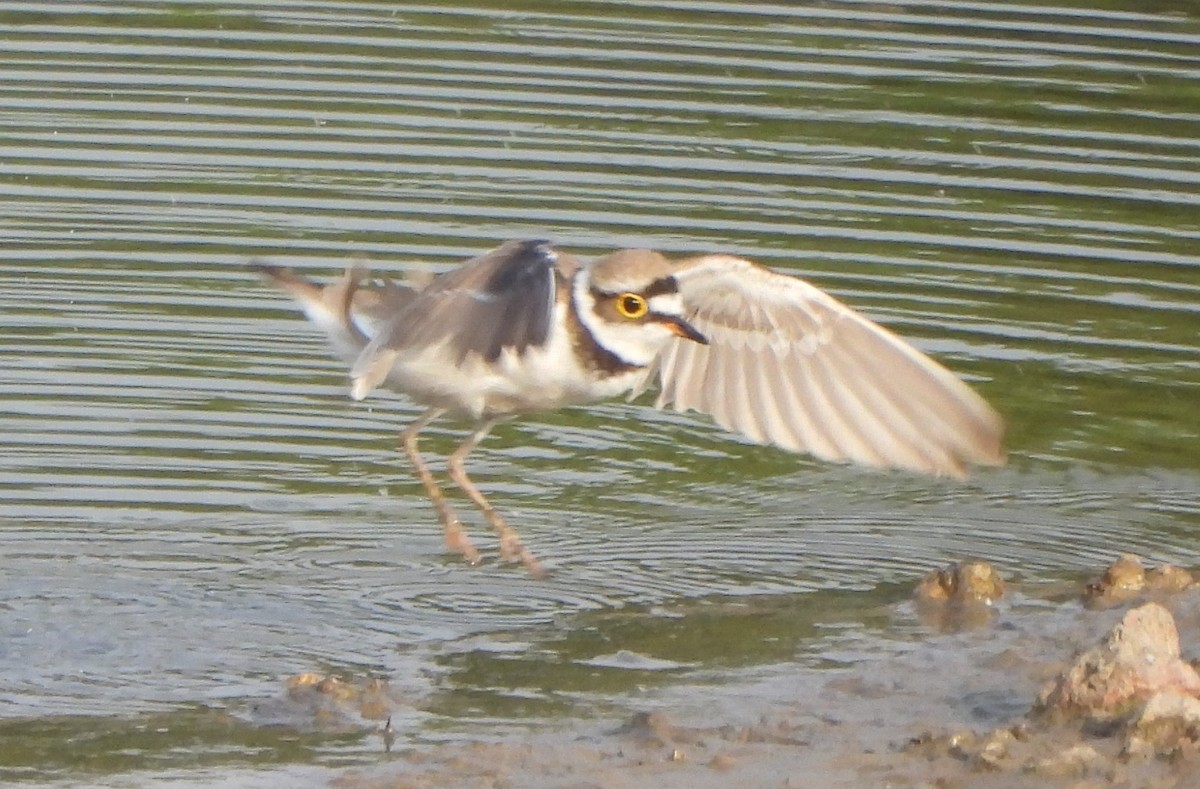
[632, 306]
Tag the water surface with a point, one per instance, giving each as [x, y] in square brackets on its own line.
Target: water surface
[192, 510]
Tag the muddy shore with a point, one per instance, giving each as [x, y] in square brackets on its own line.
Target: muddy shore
[1073, 686]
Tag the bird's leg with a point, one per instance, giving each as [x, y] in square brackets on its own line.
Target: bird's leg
[511, 547]
[456, 538]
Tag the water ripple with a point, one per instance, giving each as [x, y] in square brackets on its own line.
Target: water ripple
[190, 506]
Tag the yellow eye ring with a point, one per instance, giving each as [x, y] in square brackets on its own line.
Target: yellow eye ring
[632, 306]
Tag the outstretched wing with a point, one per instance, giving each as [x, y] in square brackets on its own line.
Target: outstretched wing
[788, 364]
[501, 299]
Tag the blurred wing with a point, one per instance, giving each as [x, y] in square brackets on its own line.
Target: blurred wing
[788, 364]
[348, 311]
[501, 299]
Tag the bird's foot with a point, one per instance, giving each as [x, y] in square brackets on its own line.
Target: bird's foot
[458, 542]
[513, 550]
[532, 565]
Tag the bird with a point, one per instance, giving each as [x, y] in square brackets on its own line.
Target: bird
[527, 327]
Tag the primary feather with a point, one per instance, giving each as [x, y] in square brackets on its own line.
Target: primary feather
[787, 364]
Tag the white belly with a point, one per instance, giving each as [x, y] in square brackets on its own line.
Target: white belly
[540, 379]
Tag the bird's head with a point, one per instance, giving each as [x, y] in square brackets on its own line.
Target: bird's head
[630, 303]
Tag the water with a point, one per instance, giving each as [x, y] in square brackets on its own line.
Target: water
[192, 510]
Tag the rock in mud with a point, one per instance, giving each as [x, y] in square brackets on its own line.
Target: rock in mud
[1127, 579]
[1071, 762]
[994, 751]
[370, 699]
[1168, 725]
[327, 702]
[1169, 579]
[1137, 659]
[959, 597]
[651, 729]
[962, 582]
[1121, 581]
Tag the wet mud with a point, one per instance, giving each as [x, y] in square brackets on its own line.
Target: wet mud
[1087, 686]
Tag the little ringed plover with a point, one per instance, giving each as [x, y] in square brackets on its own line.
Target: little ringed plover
[526, 327]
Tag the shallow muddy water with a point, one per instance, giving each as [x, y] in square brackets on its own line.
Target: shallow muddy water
[192, 510]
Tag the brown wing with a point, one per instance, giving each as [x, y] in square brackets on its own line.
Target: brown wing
[788, 364]
[503, 299]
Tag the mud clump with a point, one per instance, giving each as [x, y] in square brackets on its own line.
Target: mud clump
[1121, 707]
[1127, 580]
[1122, 711]
[1136, 660]
[369, 699]
[312, 701]
[1168, 725]
[963, 583]
[961, 596]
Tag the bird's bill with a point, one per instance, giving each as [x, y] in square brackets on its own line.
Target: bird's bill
[685, 330]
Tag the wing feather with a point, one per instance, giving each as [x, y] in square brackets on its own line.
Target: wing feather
[765, 401]
[798, 432]
[834, 415]
[736, 408]
[350, 311]
[503, 299]
[790, 365]
[902, 397]
[895, 419]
